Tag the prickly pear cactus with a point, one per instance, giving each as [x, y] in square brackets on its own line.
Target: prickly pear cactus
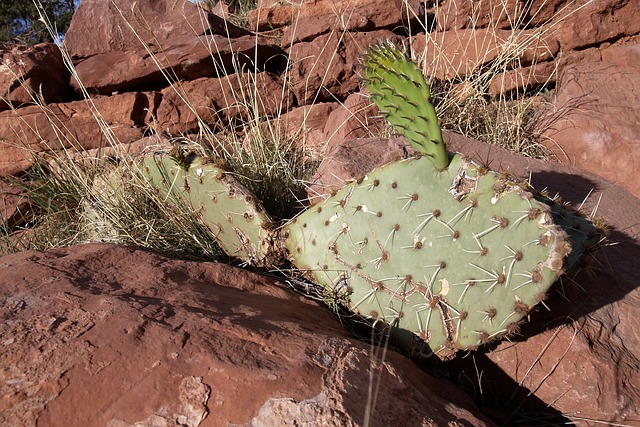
[451, 258]
[448, 253]
[232, 213]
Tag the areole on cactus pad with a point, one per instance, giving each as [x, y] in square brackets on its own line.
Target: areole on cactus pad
[447, 253]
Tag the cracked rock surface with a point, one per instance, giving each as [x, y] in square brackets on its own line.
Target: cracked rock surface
[115, 336]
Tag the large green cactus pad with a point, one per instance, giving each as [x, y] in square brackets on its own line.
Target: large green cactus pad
[236, 219]
[451, 258]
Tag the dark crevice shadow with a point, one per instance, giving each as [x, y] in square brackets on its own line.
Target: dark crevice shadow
[497, 394]
[572, 188]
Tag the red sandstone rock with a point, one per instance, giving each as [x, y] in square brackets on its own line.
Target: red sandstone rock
[15, 208]
[174, 40]
[186, 57]
[596, 119]
[459, 53]
[574, 24]
[326, 68]
[356, 117]
[108, 335]
[350, 160]
[33, 129]
[100, 26]
[523, 79]
[596, 22]
[32, 71]
[221, 101]
[459, 14]
[305, 127]
[306, 19]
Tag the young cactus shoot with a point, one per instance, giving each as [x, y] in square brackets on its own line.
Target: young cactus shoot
[398, 88]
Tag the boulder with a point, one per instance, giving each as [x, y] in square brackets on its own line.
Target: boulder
[110, 335]
[523, 79]
[352, 119]
[579, 359]
[125, 45]
[182, 58]
[29, 72]
[101, 26]
[326, 69]
[595, 22]
[595, 120]
[35, 129]
[576, 25]
[15, 208]
[349, 160]
[305, 127]
[459, 53]
[306, 19]
[240, 96]
[459, 14]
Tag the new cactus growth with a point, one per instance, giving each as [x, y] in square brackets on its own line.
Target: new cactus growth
[401, 93]
[448, 253]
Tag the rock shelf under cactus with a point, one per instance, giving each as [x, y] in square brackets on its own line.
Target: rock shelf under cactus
[449, 254]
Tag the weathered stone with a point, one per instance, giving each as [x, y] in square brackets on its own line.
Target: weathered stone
[306, 19]
[359, 16]
[185, 57]
[354, 118]
[459, 14]
[349, 160]
[460, 53]
[305, 127]
[101, 26]
[29, 72]
[596, 22]
[35, 129]
[15, 208]
[222, 100]
[576, 24]
[595, 121]
[520, 80]
[109, 335]
[326, 68]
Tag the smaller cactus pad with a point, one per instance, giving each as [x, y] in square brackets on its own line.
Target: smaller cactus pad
[236, 219]
[451, 258]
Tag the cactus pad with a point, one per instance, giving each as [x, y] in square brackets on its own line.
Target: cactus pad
[236, 219]
[403, 96]
[451, 258]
